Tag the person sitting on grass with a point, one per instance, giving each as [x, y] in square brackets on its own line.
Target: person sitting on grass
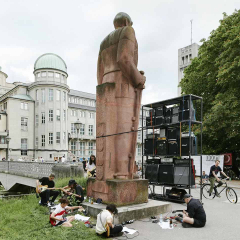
[57, 218]
[104, 226]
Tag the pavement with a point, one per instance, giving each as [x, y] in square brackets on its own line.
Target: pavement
[222, 221]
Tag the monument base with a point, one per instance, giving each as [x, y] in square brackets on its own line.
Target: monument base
[119, 192]
[125, 213]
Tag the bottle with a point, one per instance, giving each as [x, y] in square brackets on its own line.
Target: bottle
[160, 218]
[171, 224]
[92, 201]
[89, 199]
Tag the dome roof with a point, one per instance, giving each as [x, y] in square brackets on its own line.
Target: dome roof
[52, 61]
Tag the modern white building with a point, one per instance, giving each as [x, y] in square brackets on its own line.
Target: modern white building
[47, 119]
[184, 60]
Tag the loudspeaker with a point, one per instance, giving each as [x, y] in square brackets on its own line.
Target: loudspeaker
[151, 173]
[185, 114]
[153, 161]
[168, 112]
[175, 110]
[150, 146]
[166, 174]
[167, 119]
[150, 121]
[160, 111]
[159, 120]
[161, 147]
[173, 133]
[175, 118]
[176, 194]
[172, 148]
[184, 104]
[153, 136]
[185, 146]
[163, 132]
[181, 175]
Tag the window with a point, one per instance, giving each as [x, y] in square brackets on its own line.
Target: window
[73, 129]
[90, 148]
[58, 137]
[64, 136]
[50, 95]
[73, 147]
[58, 95]
[50, 116]
[50, 138]
[139, 135]
[182, 60]
[90, 130]
[24, 146]
[39, 75]
[24, 124]
[43, 95]
[36, 143]
[80, 101]
[43, 140]
[5, 106]
[82, 148]
[58, 114]
[69, 99]
[82, 114]
[91, 115]
[64, 96]
[75, 100]
[43, 117]
[82, 129]
[190, 56]
[2, 140]
[50, 74]
[50, 155]
[64, 115]
[57, 75]
[139, 150]
[44, 74]
[24, 106]
[37, 95]
[37, 120]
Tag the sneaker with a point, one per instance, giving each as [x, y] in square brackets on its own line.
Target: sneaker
[178, 219]
[217, 194]
[210, 194]
[187, 225]
[49, 204]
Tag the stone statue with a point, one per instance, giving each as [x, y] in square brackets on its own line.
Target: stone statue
[119, 94]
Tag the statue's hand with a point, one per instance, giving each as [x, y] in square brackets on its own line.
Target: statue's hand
[142, 84]
[142, 72]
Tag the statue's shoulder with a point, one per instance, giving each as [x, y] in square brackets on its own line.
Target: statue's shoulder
[128, 33]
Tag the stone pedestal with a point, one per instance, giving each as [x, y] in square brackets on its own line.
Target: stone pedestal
[119, 192]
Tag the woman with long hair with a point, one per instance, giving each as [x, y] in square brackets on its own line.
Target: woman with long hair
[91, 167]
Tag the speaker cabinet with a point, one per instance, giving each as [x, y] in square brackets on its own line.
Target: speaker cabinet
[166, 174]
[173, 133]
[181, 175]
[161, 147]
[160, 111]
[175, 118]
[153, 161]
[175, 110]
[185, 115]
[159, 120]
[184, 104]
[150, 121]
[168, 112]
[150, 147]
[168, 119]
[185, 146]
[172, 148]
[152, 172]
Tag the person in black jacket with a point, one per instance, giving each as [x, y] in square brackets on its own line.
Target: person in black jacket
[195, 215]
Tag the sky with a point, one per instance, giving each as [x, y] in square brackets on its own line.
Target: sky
[74, 29]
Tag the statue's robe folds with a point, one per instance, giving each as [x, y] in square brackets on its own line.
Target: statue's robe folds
[119, 94]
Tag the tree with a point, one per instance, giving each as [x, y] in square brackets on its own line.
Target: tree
[215, 76]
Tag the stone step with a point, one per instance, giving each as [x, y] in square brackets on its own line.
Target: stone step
[126, 213]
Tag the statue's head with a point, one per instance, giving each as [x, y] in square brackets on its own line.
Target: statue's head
[121, 20]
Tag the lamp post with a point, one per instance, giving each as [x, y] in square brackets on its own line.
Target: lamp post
[78, 126]
[7, 140]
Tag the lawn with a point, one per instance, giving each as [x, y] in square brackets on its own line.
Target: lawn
[23, 218]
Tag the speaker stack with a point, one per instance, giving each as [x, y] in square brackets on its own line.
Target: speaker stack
[166, 172]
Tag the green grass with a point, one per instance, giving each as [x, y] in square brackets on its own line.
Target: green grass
[24, 219]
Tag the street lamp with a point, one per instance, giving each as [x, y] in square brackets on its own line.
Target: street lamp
[78, 126]
[7, 140]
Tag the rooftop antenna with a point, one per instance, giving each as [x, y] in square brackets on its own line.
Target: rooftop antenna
[191, 30]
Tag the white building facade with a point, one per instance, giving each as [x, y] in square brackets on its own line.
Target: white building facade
[38, 120]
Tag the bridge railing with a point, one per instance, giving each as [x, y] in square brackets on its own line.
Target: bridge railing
[28, 169]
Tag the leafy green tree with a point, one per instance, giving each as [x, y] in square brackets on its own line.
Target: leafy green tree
[215, 76]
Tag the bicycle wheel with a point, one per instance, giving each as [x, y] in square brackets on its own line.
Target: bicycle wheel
[231, 195]
[206, 191]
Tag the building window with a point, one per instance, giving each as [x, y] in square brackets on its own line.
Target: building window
[57, 75]
[82, 114]
[58, 114]
[58, 137]
[69, 99]
[82, 129]
[50, 95]
[36, 143]
[64, 136]
[50, 116]
[182, 60]
[37, 95]
[90, 148]
[44, 74]
[139, 135]
[90, 130]
[43, 140]
[190, 56]
[37, 120]
[139, 150]
[82, 148]
[91, 115]
[80, 101]
[50, 74]
[24, 106]
[43, 117]
[50, 155]
[50, 138]
[73, 129]
[64, 96]
[43, 95]
[39, 75]
[24, 146]
[64, 115]
[58, 95]
[24, 124]
[73, 147]
[5, 106]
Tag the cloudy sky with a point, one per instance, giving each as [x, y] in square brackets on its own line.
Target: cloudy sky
[74, 29]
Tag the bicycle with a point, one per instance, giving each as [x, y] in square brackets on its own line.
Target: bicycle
[230, 193]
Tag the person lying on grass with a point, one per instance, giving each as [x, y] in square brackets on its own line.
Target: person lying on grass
[57, 217]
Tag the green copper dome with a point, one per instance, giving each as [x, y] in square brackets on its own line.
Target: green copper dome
[52, 61]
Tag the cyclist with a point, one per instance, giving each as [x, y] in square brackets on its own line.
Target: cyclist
[214, 170]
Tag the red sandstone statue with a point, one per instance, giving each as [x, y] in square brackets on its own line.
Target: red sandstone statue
[119, 94]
